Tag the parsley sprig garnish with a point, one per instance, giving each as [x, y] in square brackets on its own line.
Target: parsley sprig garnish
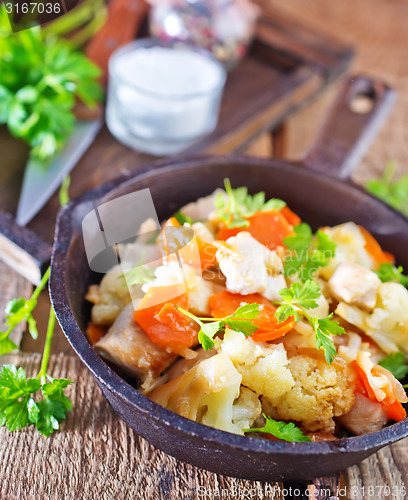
[238, 321]
[138, 275]
[18, 310]
[281, 430]
[41, 400]
[396, 364]
[40, 80]
[393, 192]
[389, 272]
[307, 252]
[299, 297]
[181, 218]
[238, 206]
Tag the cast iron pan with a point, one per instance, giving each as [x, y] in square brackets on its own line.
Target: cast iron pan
[313, 190]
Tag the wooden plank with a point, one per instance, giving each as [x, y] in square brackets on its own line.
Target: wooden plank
[96, 455]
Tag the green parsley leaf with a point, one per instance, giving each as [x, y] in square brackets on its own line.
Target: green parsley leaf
[297, 296]
[18, 408]
[207, 333]
[7, 346]
[323, 329]
[40, 80]
[238, 206]
[392, 192]
[238, 321]
[307, 252]
[181, 218]
[281, 430]
[63, 192]
[247, 311]
[388, 272]
[138, 275]
[396, 364]
[241, 325]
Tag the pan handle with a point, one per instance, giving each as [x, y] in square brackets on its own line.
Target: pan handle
[351, 126]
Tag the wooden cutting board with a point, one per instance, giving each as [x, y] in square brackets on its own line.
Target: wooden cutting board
[287, 66]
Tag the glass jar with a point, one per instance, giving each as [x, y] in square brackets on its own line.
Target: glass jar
[224, 27]
[163, 96]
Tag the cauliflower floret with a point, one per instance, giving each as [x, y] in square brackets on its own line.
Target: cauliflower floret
[354, 284]
[320, 392]
[350, 247]
[198, 289]
[251, 267]
[202, 208]
[246, 409]
[111, 296]
[263, 366]
[387, 325]
[202, 232]
[206, 394]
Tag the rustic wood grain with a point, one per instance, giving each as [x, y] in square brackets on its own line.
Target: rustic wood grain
[96, 456]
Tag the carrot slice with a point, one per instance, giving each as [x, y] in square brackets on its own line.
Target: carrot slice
[374, 249]
[394, 409]
[278, 331]
[290, 216]
[269, 228]
[196, 253]
[160, 319]
[225, 303]
[95, 333]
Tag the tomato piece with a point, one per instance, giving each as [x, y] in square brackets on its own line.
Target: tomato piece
[374, 249]
[225, 303]
[160, 319]
[269, 228]
[95, 333]
[196, 253]
[290, 216]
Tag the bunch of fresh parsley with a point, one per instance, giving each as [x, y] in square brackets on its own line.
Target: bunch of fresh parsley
[393, 192]
[41, 400]
[238, 206]
[299, 297]
[307, 252]
[40, 80]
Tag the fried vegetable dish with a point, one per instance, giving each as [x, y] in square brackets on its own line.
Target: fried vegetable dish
[239, 317]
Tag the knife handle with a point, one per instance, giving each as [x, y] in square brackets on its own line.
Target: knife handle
[22, 249]
[124, 19]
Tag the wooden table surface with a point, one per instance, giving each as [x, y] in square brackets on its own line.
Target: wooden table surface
[96, 456]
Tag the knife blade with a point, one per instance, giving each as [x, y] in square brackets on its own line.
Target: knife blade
[41, 181]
